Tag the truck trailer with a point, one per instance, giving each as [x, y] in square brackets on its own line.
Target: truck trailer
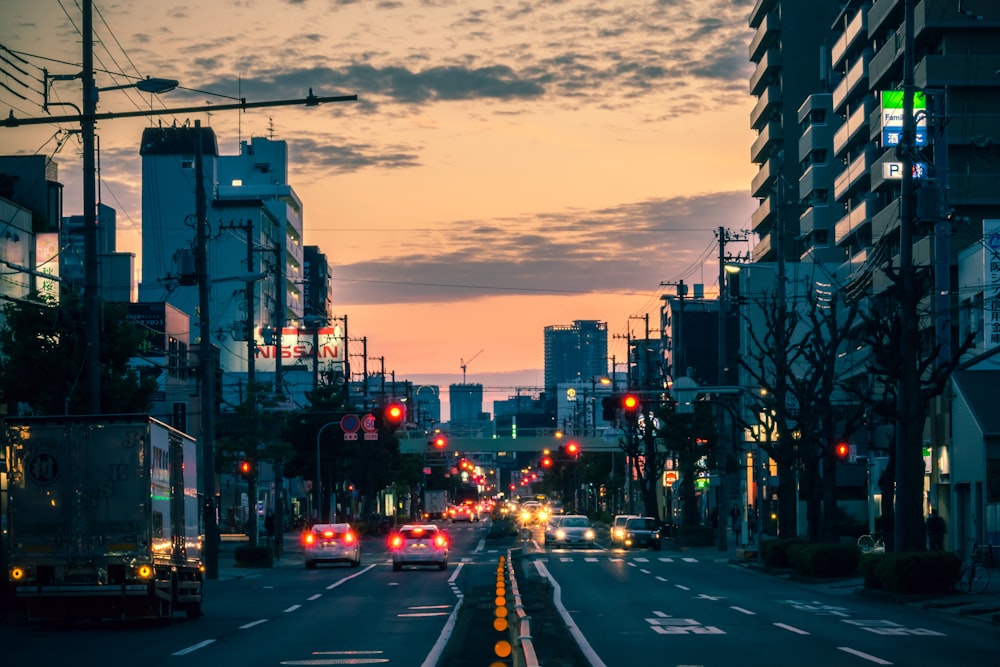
[104, 517]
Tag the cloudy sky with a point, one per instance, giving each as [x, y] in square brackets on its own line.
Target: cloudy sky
[507, 166]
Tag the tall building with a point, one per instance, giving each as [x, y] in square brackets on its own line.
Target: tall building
[255, 250]
[787, 51]
[466, 404]
[575, 352]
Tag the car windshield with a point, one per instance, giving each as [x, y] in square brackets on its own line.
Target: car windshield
[640, 524]
[574, 522]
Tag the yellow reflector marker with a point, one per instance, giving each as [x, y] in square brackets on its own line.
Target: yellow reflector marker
[501, 612]
[500, 624]
[502, 648]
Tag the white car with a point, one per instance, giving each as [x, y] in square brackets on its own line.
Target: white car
[331, 543]
[571, 530]
[419, 544]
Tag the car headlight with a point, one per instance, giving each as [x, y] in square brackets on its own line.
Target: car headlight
[560, 534]
[589, 534]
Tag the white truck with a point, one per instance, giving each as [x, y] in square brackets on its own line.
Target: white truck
[104, 517]
[435, 503]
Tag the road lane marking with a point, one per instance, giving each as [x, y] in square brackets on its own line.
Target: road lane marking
[683, 588]
[195, 647]
[640, 559]
[590, 559]
[744, 611]
[250, 625]
[644, 570]
[348, 578]
[791, 629]
[314, 597]
[294, 607]
[866, 656]
[659, 578]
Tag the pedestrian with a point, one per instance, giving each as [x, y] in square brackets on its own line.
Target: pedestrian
[734, 515]
[936, 528]
[269, 527]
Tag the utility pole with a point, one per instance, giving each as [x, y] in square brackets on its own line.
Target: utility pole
[91, 276]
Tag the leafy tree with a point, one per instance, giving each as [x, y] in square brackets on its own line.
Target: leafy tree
[43, 348]
[691, 439]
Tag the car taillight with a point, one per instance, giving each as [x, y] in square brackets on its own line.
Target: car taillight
[328, 534]
[395, 541]
[348, 537]
[308, 539]
[440, 542]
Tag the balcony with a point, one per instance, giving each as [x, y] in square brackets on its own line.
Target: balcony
[856, 218]
[886, 221]
[886, 66]
[763, 250]
[853, 126]
[856, 29]
[815, 177]
[854, 83]
[815, 136]
[767, 71]
[767, 142]
[763, 181]
[882, 13]
[854, 175]
[957, 71]
[760, 9]
[769, 100]
[941, 14]
[767, 33]
[763, 215]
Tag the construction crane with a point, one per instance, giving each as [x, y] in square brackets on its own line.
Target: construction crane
[465, 364]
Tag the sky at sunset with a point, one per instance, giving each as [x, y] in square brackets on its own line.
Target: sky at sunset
[507, 166]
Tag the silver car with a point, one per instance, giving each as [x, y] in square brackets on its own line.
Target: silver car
[419, 544]
[571, 530]
[331, 543]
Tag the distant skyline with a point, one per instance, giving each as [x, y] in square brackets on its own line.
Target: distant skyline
[505, 168]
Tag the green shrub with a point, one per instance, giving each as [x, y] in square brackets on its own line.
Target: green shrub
[254, 556]
[774, 553]
[919, 572]
[824, 560]
[868, 568]
[695, 536]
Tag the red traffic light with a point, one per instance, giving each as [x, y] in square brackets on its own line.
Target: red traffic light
[630, 402]
[546, 461]
[573, 449]
[394, 413]
[245, 468]
[842, 450]
[439, 442]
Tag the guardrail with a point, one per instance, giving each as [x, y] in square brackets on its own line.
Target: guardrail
[524, 639]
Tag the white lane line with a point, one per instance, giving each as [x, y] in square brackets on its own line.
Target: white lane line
[314, 597]
[250, 625]
[590, 559]
[294, 607]
[644, 570]
[348, 578]
[192, 649]
[744, 611]
[683, 588]
[791, 629]
[588, 652]
[866, 656]
[659, 578]
[449, 626]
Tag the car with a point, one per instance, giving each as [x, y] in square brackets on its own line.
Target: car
[618, 527]
[570, 530]
[466, 512]
[419, 544]
[331, 543]
[642, 531]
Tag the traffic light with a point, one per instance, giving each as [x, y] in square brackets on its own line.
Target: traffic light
[393, 415]
[610, 405]
[245, 469]
[630, 406]
[546, 461]
[439, 442]
[842, 451]
[572, 450]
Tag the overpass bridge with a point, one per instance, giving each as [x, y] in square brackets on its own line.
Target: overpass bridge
[526, 440]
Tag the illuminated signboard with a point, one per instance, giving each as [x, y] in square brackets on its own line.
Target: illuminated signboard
[892, 117]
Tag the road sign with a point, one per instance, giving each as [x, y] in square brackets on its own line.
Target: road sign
[350, 424]
[370, 426]
[670, 477]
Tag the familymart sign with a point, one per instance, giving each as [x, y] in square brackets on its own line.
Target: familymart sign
[892, 117]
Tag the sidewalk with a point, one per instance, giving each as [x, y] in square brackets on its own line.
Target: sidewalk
[984, 606]
[291, 556]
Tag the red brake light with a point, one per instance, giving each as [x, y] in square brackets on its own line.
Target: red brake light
[439, 541]
[418, 531]
[348, 537]
[328, 534]
[308, 539]
[396, 541]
